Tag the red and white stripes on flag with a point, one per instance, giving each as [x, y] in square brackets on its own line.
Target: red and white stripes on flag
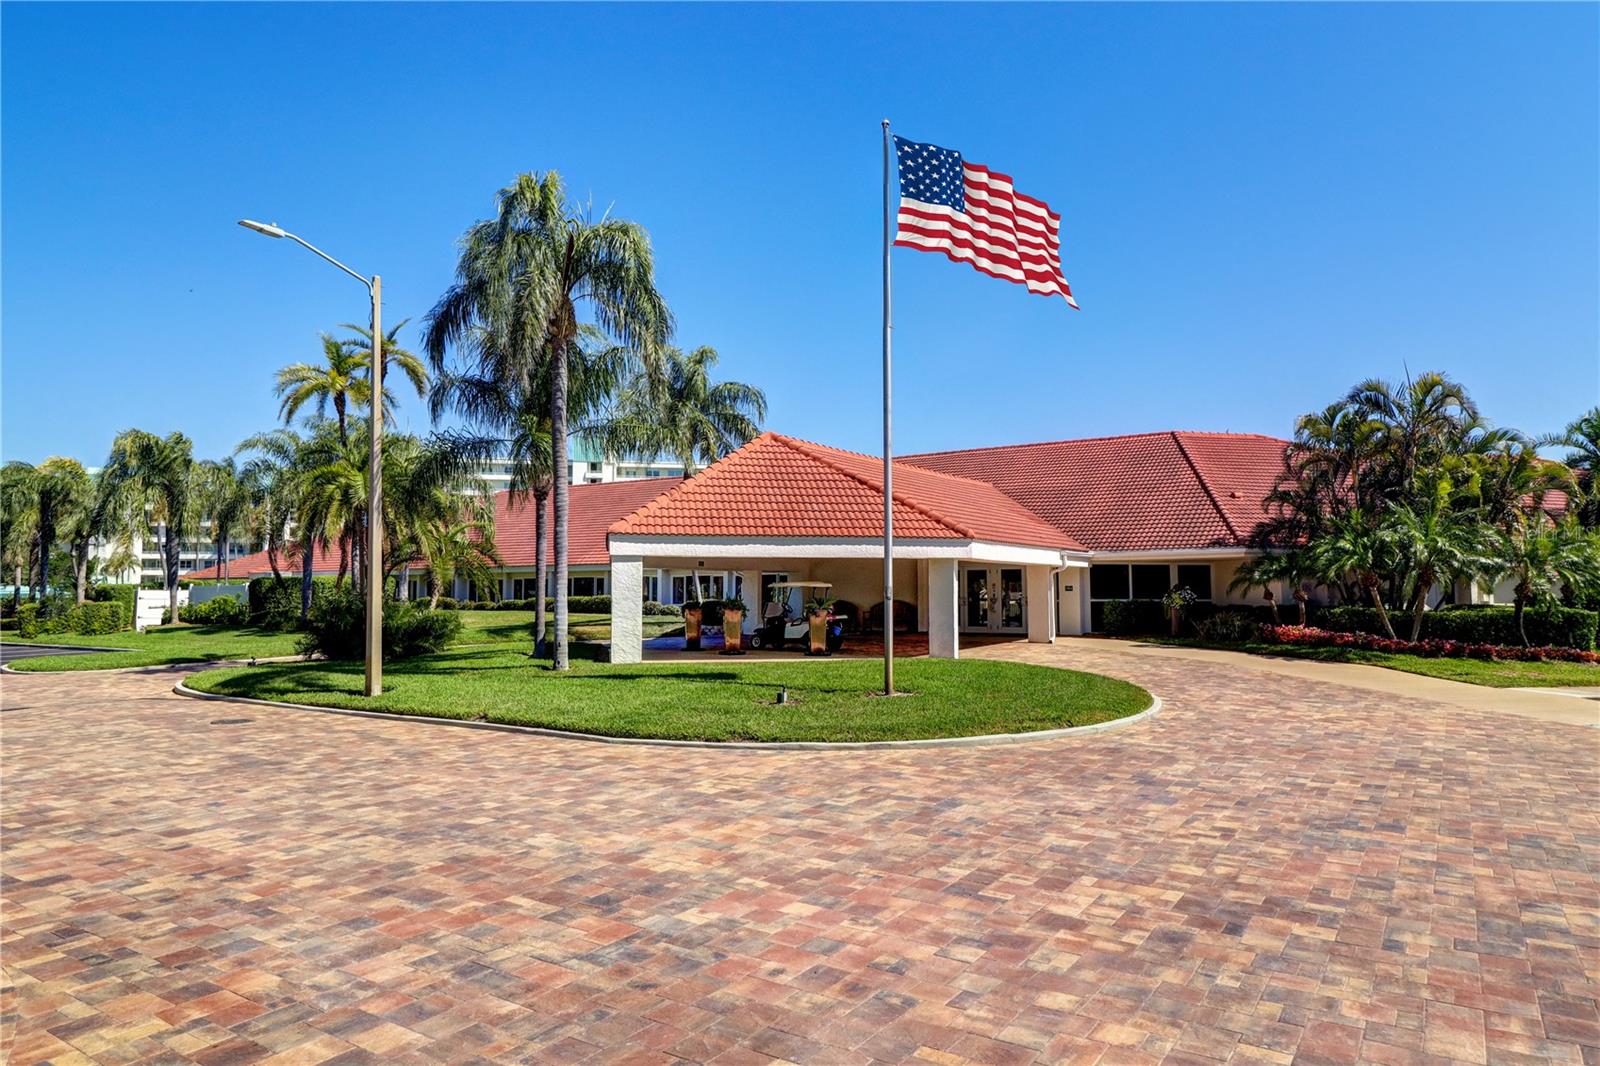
[976, 216]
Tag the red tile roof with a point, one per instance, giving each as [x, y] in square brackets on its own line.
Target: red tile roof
[1146, 491]
[324, 560]
[591, 510]
[778, 486]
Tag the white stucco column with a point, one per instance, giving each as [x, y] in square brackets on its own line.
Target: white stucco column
[750, 593]
[922, 595]
[944, 635]
[627, 608]
[1073, 588]
[1041, 606]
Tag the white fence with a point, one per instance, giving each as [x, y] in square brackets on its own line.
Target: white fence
[149, 603]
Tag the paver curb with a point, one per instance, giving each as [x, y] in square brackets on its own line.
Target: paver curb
[736, 745]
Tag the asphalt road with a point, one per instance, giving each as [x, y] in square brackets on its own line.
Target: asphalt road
[12, 652]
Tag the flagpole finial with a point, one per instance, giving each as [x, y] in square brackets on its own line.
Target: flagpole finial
[885, 123]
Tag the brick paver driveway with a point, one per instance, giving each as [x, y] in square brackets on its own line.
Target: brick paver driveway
[1263, 873]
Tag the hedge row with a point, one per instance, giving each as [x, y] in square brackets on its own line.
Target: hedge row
[1563, 627]
[127, 595]
[1126, 618]
[89, 619]
[218, 611]
[575, 604]
[275, 602]
[1309, 637]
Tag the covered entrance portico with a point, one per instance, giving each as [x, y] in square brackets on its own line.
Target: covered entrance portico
[930, 582]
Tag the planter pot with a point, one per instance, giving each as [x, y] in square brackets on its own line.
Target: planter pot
[691, 627]
[732, 624]
[818, 621]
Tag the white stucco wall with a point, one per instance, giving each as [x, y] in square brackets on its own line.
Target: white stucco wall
[944, 640]
[1041, 605]
[627, 609]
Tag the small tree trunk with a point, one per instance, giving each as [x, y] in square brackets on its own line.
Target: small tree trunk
[16, 588]
[541, 571]
[307, 565]
[173, 547]
[1383, 612]
[80, 566]
[1272, 605]
[272, 560]
[1417, 610]
[558, 447]
[1517, 610]
[1300, 604]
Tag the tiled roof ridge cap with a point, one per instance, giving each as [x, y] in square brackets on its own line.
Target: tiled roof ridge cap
[804, 448]
[1095, 440]
[1205, 486]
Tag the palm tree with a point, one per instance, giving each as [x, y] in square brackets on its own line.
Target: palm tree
[1352, 547]
[150, 477]
[1543, 557]
[1438, 542]
[64, 493]
[524, 276]
[465, 548]
[278, 473]
[1581, 438]
[19, 522]
[1293, 568]
[1417, 422]
[344, 378]
[678, 411]
[225, 500]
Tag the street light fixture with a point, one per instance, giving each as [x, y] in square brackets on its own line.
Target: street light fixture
[374, 284]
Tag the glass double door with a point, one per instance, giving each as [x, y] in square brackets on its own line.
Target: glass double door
[992, 598]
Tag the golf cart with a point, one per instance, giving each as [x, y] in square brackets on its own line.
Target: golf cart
[784, 622]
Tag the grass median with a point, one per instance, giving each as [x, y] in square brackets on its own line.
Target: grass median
[1498, 673]
[829, 700]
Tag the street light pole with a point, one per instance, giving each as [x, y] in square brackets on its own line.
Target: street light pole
[374, 284]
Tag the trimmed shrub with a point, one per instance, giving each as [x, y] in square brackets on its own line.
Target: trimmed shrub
[1563, 627]
[337, 627]
[1310, 637]
[127, 595]
[1134, 617]
[666, 610]
[89, 619]
[275, 602]
[221, 611]
[587, 604]
[449, 603]
[1229, 626]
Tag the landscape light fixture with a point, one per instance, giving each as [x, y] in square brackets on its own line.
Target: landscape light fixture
[374, 284]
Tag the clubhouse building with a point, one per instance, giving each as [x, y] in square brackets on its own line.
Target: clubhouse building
[1026, 540]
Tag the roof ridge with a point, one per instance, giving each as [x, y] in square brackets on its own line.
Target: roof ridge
[1095, 440]
[802, 448]
[1205, 487]
[687, 480]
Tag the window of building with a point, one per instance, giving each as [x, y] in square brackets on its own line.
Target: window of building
[1108, 581]
[1197, 577]
[1151, 580]
[652, 589]
[587, 585]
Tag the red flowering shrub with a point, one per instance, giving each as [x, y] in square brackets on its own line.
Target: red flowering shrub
[1310, 637]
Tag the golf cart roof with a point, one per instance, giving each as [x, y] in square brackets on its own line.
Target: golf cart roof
[801, 585]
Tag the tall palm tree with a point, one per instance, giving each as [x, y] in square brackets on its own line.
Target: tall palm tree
[1542, 557]
[224, 501]
[1353, 548]
[1437, 541]
[153, 478]
[65, 493]
[278, 472]
[462, 548]
[515, 421]
[343, 379]
[1417, 421]
[677, 410]
[19, 522]
[525, 276]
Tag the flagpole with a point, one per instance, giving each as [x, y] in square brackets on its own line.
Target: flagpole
[888, 445]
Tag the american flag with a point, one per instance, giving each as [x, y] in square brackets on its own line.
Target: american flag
[973, 215]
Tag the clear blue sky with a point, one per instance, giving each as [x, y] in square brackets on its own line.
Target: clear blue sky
[1262, 204]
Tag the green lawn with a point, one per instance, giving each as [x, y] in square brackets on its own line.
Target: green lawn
[1472, 671]
[512, 627]
[169, 645]
[159, 647]
[829, 700]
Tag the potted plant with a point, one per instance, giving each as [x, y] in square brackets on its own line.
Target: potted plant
[692, 613]
[1176, 601]
[818, 612]
[732, 627]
